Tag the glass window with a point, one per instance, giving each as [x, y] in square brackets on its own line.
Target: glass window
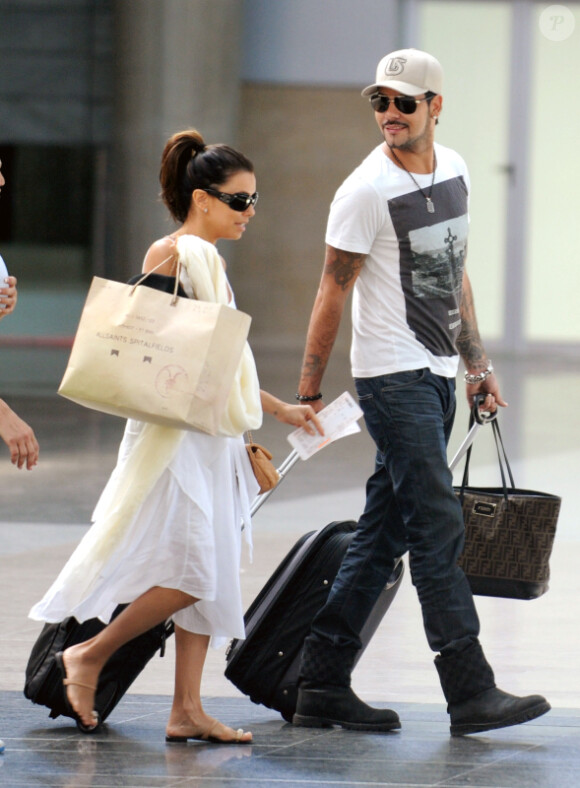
[46, 211]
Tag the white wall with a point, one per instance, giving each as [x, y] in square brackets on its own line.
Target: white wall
[475, 122]
[553, 242]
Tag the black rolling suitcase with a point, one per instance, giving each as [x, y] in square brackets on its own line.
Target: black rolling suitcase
[265, 665]
[43, 682]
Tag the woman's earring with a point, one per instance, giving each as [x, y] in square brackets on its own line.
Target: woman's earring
[205, 210]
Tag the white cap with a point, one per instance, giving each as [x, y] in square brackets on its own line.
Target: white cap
[408, 71]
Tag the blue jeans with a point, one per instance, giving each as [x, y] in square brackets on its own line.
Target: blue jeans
[410, 506]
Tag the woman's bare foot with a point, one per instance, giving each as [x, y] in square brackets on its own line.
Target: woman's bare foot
[80, 682]
[205, 728]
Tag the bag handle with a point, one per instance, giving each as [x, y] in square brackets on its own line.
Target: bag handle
[479, 418]
[504, 466]
[152, 271]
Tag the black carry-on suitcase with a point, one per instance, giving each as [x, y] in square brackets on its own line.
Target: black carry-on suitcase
[265, 665]
[43, 682]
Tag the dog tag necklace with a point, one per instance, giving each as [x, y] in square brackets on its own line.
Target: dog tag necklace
[428, 200]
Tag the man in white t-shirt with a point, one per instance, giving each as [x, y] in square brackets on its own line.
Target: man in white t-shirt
[397, 237]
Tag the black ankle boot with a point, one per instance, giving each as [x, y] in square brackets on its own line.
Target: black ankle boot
[493, 709]
[322, 707]
[464, 674]
[474, 703]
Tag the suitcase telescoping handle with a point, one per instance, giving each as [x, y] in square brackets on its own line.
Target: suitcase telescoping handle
[288, 463]
[479, 418]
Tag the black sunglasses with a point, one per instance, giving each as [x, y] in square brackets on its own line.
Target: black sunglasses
[405, 104]
[240, 201]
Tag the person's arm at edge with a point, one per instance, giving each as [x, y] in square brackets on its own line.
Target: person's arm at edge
[340, 272]
[8, 296]
[472, 352]
[19, 438]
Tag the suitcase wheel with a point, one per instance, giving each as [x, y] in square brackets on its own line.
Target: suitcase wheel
[85, 729]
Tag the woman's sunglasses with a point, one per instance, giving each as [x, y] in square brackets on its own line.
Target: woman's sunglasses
[240, 201]
[405, 104]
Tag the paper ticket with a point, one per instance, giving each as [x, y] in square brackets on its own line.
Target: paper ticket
[338, 419]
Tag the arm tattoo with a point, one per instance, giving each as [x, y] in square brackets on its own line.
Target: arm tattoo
[319, 346]
[343, 266]
[312, 366]
[469, 343]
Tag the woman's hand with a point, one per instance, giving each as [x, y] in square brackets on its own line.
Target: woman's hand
[8, 296]
[288, 413]
[300, 416]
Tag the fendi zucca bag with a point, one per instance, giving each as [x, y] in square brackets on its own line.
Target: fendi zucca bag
[509, 534]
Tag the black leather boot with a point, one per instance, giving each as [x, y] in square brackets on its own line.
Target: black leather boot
[324, 694]
[492, 709]
[325, 706]
[474, 703]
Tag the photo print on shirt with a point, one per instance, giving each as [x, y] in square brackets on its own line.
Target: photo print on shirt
[432, 249]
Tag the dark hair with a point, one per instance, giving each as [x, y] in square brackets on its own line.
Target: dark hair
[429, 95]
[187, 163]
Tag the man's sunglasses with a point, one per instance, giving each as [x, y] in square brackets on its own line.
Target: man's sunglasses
[405, 104]
[240, 201]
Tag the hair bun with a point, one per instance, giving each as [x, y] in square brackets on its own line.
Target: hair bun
[197, 147]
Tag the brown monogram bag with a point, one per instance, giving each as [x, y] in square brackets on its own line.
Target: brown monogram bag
[509, 534]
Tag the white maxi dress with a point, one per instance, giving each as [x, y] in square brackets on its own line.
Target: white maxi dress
[186, 534]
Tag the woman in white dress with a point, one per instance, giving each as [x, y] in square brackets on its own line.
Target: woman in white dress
[175, 552]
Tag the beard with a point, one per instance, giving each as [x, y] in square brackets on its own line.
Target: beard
[415, 144]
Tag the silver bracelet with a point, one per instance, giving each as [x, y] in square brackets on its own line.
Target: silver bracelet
[480, 377]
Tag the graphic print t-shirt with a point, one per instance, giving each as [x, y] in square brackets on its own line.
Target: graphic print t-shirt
[406, 299]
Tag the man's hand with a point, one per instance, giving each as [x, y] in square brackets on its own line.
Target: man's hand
[489, 387]
[19, 438]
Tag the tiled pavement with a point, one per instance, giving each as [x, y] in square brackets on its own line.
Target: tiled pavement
[533, 646]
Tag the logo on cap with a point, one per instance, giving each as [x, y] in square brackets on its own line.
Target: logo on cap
[395, 65]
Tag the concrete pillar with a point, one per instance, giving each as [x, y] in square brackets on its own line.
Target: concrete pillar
[176, 66]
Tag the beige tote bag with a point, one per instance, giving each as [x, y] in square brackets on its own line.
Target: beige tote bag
[145, 354]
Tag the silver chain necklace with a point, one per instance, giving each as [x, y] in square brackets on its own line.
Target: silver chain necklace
[428, 200]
